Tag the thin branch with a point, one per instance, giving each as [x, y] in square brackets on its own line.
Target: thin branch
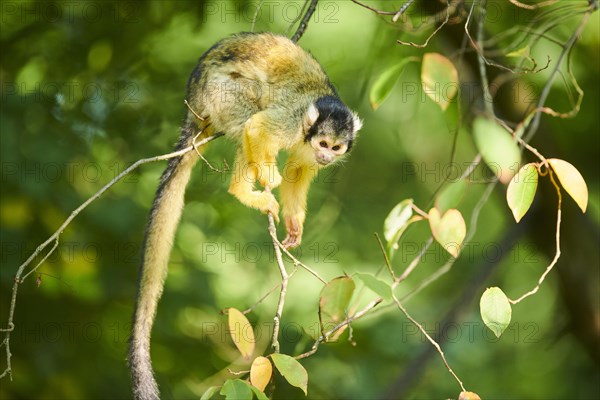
[333, 330]
[376, 11]
[385, 257]
[192, 111]
[305, 20]
[532, 129]
[402, 10]
[298, 17]
[472, 230]
[284, 280]
[298, 263]
[450, 9]
[19, 278]
[41, 261]
[431, 340]
[557, 237]
[416, 209]
[270, 292]
[485, 84]
[480, 51]
[374, 303]
[533, 6]
[237, 373]
[532, 150]
[255, 16]
[415, 261]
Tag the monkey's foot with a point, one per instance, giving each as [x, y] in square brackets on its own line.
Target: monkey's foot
[294, 233]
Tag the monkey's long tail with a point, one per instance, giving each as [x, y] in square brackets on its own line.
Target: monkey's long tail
[164, 218]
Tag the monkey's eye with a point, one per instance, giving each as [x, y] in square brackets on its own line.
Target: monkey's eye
[336, 147]
[323, 143]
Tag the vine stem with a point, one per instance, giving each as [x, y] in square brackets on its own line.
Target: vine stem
[55, 238]
[485, 84]
[556, 255]
[546, 90]
[431, 340]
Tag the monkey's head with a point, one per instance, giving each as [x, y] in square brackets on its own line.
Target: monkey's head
[330, 128]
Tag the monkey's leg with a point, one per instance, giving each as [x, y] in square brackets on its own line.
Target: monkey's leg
[298, 175]
[261, 146]
[242, 187]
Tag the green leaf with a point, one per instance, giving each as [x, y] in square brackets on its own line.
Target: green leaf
[378, 286]
[521, 190]
[259, 394]
[571, 180]
[386, 81]
[236, 389]
[334, 301]
[439, 79]
[396, 221]
[210, 392]
[497, 147]
[291, 370]
[451, 195]
[260, 373]
[241, 332]
[448, 230]
[495, 310]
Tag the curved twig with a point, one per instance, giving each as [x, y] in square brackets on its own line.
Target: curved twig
[19, 278]
[304, 23]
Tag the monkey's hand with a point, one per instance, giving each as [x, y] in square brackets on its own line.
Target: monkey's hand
[267, 203]
[293, 227]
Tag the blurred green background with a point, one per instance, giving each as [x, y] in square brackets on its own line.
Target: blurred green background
[90, 87]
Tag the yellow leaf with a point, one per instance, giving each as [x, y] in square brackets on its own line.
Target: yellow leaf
[448, 230]
[260, 373]
[439, 79]
[241, 332]
[571, 180]
[468, 396]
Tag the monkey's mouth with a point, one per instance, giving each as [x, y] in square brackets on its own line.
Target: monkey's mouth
[323, 159]
[323, 162]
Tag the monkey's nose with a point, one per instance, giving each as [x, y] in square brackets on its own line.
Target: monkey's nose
[324, 159]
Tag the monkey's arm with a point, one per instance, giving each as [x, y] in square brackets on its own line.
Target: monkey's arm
[299, 171]
[256, 160]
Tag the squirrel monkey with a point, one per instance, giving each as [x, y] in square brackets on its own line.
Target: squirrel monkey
[267, 94]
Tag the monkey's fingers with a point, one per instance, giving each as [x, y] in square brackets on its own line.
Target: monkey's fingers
[275, 216]
[269, 205]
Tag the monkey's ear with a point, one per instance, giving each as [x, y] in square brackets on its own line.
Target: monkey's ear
[357, 122]
[311, 116]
